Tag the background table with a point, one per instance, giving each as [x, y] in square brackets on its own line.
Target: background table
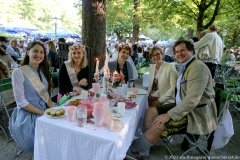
[58, 139]
[146, 79]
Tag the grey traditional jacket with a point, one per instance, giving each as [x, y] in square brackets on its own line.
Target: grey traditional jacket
[197, 103]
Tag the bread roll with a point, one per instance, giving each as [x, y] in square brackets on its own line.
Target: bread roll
[53, 113]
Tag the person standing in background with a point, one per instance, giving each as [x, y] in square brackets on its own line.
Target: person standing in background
[168, 52]
[212, 45]
[52, 55]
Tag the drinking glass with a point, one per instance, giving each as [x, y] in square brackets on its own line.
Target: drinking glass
[89, 105]
[121, 108]
[96, 87]
[82, 115]
[124, 89]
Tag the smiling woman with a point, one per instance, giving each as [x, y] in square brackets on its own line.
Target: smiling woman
[121, 65]
[31, 88]
[163, 77]
[73, 73]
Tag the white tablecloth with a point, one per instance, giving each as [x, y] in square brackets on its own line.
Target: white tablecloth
[146, 79]
[58, 139]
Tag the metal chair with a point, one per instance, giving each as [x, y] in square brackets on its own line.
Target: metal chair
[5, 85]
[199, 141]
[5, 80]
[7, 101]
[4, 132]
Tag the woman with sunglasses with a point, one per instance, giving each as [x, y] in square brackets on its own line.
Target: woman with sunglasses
[163, 77]
[73, 73]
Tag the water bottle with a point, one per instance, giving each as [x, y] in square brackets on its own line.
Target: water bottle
[82, 115]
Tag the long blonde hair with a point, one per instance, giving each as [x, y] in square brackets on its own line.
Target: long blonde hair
[84, 62]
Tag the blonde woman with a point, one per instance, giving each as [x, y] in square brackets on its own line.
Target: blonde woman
[163, 77]
[73, 73]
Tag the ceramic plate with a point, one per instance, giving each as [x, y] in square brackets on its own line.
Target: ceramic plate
[115, 113]
[56, 109]
[141, 91]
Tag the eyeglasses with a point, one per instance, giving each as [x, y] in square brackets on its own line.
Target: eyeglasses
[77, 46]
[157, 54]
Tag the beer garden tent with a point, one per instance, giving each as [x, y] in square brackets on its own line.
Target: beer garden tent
[62, 33]
[20, 28]
[31, 30]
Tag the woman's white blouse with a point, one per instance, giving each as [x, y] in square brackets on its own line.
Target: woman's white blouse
[18, 88]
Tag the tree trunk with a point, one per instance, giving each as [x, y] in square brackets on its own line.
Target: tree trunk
[136, 26]
[94, 31]
[200, 19]
[202, 7]
[119, 35]
[234, 38]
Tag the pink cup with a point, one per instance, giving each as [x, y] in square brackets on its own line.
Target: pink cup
[71, 113]
[99, 110]
[105, 100]
[96, 87]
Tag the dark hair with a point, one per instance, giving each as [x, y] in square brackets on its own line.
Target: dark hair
[44, 65]
[188, 45]
[126, 47]
[139, 49]
[2, 52]
[195, 39]
[3, 70]
[61, 40]
[134, 47]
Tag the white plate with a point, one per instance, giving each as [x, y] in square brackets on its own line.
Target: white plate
[141, 91]
[56, 117]
[115, 113]
[55, 108]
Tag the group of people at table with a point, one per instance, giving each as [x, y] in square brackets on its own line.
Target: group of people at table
[189, 108]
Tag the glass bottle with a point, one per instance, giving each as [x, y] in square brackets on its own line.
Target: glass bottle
[82, 115]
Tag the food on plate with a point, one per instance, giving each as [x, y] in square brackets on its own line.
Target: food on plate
[58, 113]
[130, 104]
[75, 102]
[55, 112]
[48, 111]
